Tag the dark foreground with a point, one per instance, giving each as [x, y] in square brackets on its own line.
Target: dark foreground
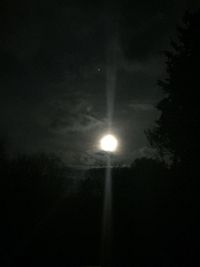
[48, 221]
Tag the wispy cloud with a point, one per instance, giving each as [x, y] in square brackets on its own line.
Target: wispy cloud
[142, 107]
[73, 114]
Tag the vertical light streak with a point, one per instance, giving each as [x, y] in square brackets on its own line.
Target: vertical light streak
[110, 95]
[107, 216]
[111, 79]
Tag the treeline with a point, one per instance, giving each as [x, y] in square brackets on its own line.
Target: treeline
[30, 187]
[44, 224]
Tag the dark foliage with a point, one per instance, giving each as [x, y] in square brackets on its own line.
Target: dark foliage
[30, 186]
[176, 134]
[43, 224]
[176, 137]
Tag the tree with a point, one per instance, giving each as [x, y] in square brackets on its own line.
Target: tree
[176, 133]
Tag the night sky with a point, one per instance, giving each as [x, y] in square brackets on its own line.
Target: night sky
[55, 62]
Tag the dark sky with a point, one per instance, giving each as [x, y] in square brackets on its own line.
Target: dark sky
[56, 61]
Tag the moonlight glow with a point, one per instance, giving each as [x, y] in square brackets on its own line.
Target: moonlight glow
[108, 143]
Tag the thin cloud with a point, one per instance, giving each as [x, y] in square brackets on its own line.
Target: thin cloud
[142, 107]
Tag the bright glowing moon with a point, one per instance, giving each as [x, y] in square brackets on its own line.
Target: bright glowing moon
[109, 143]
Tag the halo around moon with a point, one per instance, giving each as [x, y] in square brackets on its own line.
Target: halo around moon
[109, 143]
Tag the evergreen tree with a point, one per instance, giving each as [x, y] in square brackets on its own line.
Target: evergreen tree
[176, 133]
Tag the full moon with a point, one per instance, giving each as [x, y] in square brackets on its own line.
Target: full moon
[108, 143]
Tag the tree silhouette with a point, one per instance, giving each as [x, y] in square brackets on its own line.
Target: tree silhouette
[31, 187]
[176, 137]
[176, 133]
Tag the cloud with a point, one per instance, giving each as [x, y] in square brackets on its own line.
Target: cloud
[77, 123]
[144, 151]
[142, 107]
[72, 112]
